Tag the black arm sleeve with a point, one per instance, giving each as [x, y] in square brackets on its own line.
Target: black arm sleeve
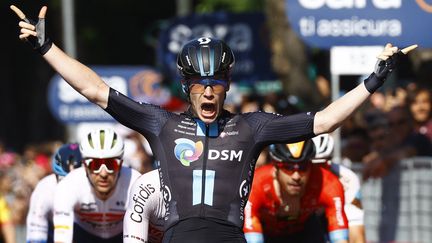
[146, 119]
[274, 128]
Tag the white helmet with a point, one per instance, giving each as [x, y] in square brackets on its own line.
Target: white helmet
[102, 143]
[324, 145]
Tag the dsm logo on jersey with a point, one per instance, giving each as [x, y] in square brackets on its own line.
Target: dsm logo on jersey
[188, 151]
[230, 155]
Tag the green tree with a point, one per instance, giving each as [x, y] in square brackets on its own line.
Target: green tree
[235, 6]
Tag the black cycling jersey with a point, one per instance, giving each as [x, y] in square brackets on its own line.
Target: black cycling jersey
[199, 230]
[206, 170]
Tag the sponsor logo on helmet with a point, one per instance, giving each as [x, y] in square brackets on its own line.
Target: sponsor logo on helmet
[188, 60]
[204, 40]
[223, 57]
[296, 149]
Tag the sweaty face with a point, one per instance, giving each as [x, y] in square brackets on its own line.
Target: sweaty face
[207, 99]
[293, 178]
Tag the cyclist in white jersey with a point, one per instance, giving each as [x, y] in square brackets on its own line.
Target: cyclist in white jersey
[144, 218]
[353, 209]
[39, 217]
[90, 202]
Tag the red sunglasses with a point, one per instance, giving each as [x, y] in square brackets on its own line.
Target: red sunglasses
[111, 165]
[290, 168]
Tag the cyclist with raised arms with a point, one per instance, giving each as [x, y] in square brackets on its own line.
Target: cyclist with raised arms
[90, 201]
[207, 154]
[324, 145]
[144, 217]
[287, 193]
[39, 220]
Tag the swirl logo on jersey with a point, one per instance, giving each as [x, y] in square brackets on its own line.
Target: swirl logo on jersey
[187, 151]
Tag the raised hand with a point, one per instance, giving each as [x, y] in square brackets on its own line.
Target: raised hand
[34, 32]
[387, 60]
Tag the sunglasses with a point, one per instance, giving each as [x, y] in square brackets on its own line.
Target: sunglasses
[111, 165]
[198, 86]
[290, 168]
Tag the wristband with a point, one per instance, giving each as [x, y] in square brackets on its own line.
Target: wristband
[382, 70]
[41, 43]
[45, 47]
[372, 83]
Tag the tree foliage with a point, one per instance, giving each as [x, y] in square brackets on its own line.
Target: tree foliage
[235, 6]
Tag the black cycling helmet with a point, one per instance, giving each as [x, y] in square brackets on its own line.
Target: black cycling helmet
[205, 57]
[67, 155]
[293, 152]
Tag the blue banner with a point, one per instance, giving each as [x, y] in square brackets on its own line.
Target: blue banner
[327, 23]
[140, 83]
[245, 33]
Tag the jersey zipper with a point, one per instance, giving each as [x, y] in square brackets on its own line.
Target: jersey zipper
[204, 170]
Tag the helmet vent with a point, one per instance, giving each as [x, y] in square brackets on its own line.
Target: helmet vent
[90, 140]
[114, 140]
[102, 143]
[102, 138]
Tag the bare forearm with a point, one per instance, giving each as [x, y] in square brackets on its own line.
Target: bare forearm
[80, 77]
[338, 111]
[8, 231]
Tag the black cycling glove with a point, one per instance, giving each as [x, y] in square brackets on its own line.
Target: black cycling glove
[41, 43]
[382, 70]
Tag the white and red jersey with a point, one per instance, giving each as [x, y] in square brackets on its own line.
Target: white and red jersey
[352, 191]
[40, 211]
[76, 202]
[144, 218]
